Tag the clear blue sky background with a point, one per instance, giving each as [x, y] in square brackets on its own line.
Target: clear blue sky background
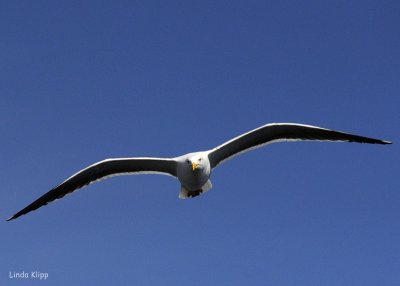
[80, 82]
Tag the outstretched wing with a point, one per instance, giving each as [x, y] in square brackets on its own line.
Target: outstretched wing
[278, 132]
[101, 170]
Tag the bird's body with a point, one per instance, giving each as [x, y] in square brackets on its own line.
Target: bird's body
[193, 170]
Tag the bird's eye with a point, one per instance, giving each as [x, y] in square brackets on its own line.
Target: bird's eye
[199, 159]
[188, 161]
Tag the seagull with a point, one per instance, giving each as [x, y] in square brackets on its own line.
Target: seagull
[193, 170]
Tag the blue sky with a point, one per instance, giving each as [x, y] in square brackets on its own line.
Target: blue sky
[81, 82]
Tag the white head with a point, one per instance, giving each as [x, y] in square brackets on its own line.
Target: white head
[194, 164]
[197, 161]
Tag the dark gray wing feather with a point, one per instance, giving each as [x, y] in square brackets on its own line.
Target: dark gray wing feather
[277, 132]
[102, 170]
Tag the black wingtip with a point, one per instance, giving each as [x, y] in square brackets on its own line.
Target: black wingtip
[385, 142]
[17, 215]
[11, 218]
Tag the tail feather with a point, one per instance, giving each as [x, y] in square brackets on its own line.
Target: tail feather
[185, 194]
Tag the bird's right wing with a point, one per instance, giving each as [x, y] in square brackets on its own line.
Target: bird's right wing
[101, 170]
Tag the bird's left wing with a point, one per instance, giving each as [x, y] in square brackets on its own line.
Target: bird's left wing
[102, 170]
[279, 132]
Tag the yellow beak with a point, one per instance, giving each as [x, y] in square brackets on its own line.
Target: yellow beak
[194, 166]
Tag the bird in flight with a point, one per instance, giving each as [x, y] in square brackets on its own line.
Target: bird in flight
[193, 170]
